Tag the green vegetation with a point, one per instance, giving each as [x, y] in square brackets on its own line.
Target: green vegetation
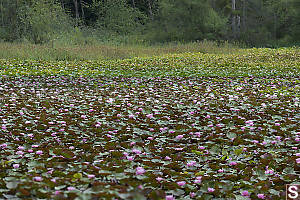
[259, 23]
[57, 51]
[187, 20]
[184, 126]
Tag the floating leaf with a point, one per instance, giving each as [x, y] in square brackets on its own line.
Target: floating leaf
[77, 175]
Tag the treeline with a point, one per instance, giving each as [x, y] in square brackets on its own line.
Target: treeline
[252, 22]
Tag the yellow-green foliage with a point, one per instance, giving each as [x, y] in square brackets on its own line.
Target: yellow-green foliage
[250, 62]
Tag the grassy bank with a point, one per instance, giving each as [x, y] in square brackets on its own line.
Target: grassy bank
[56, 52]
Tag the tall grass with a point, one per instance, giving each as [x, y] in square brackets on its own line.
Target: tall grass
[100, 51]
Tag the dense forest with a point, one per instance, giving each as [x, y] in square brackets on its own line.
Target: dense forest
[267, 23]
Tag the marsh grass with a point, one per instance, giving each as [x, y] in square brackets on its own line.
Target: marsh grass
[98, 51]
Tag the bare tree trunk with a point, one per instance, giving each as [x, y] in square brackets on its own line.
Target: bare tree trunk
[233, 22]
[150, 9]
[238, 25]
[275, 26]
[62, 4]
[2, 17]
[244, 15]
[76, 11]
[133, 3]
[82, 10]
[213, 4]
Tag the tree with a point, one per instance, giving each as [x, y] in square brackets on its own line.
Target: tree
[117, 16]
[76, 10]
[295, 25]
[234, 19]
[255, 22]
[186, 20]
[9, 21]
[42, 20]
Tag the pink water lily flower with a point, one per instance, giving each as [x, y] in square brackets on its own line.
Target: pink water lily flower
[170, 197]
[181, 183]
[261, 196]
[39, 152]
[20, 152]
[137, 151]
[192, 194]
[131, 116]
[149, 116]
[269, 172]
[140, 171]
[179, 137]
[71, 188]
[91, 176]
[191, 163]
[15, 166]
[37, 178]
[197, 181]
[21, 148]
[245, 193]
[159, 179]
[232, 163]
[131, 158]
[167, 158]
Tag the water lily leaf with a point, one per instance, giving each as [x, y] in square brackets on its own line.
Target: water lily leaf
[240, 197]
[275, 192]
[77, 175]
[288, 170]
[238, 151]
[12, 184]
[231, 135]
[214, 150]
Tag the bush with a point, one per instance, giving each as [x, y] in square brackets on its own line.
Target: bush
[116, 16]
[186, 20]
[43, 21]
